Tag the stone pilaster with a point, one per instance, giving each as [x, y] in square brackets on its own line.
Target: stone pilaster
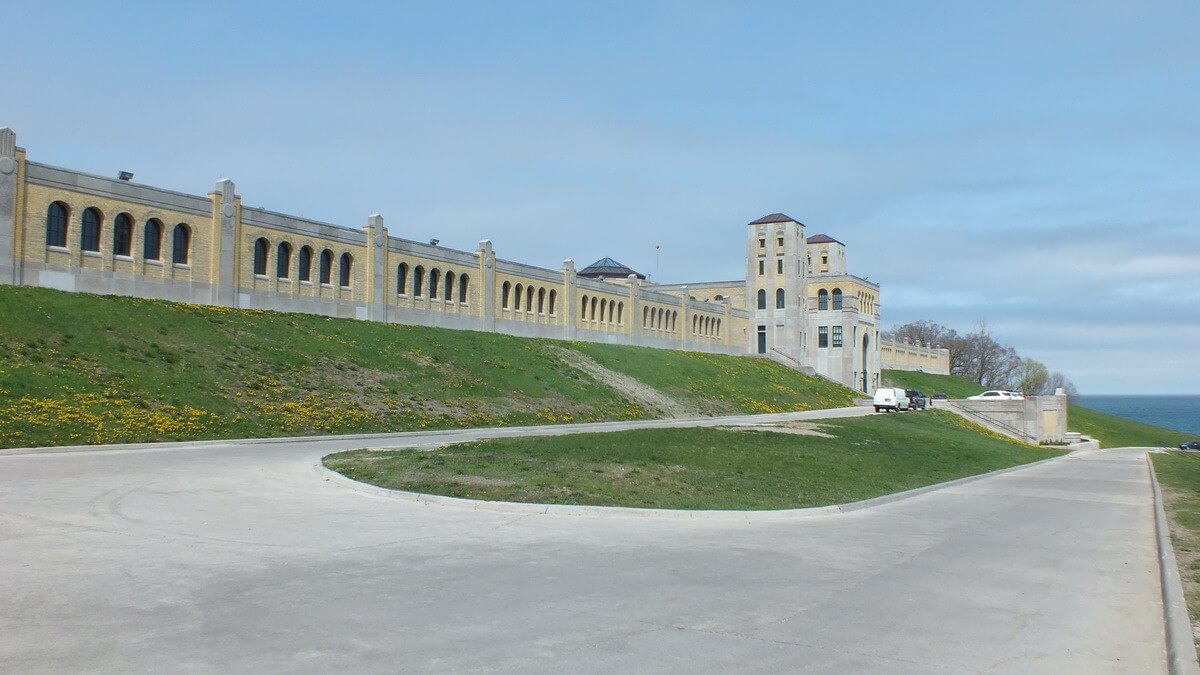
[685, 313]
[377, 258]
[568, 299]
[635, 305]
[727, 323]
[8, 206]
[225, 258]
[487, 285]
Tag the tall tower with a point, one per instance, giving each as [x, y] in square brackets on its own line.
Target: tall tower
[776, 284]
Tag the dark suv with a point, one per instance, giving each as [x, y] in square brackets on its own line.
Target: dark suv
[916, 399]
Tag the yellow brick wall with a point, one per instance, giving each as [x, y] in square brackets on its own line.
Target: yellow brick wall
[38, 198]
[271, 283]
[407, 299]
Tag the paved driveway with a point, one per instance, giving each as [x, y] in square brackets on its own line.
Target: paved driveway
[243, 557]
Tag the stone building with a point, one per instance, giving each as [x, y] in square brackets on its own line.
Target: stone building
[74, 231]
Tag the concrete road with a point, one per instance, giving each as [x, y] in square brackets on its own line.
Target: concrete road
[242, 557]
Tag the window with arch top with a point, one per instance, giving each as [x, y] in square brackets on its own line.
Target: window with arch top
[283, 260]
[261, 249]
[779, 298]
[762, 298]
[181, 242]
[822, 299]
[152, 241]
[89, 234]
[837, 298]
[326, 266]
[56, 224]
[401, 278]
[304, 265]
[123, 235]
[344, 270]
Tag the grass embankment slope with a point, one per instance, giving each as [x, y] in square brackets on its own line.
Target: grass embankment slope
[1111, 430]
[856, 458]
[1179, 474]
[78, 368]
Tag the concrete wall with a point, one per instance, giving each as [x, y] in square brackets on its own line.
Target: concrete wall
[914, 356]
[388, 279]
[1036, 419]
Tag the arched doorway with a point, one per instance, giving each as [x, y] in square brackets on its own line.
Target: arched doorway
[866, 366]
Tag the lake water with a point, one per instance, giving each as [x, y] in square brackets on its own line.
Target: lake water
[1181, 413]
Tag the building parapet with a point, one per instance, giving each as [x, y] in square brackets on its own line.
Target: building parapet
[908, 355]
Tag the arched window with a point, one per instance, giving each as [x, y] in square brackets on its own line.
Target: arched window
[603, 306]
[645, 317]
[463, 280]
[261, 249]
[181, 242]
[718, 331]
[56, 224]
[762, 299]
[89, 234]
[418, 281]
[435, 276]
[448, 287]
[401, 278]
[541, 301]
[152, 241]
[344, 270]
[283, 260]
[553, 301]
[529, 299]
[326, 270]
[305, 264]
[779, 298]
[123, 235]
[822, 299]
[518, 292]
[584, 305]
[674, 319]
[504, 290]
[593, 309]
[837, 298]
[621, 313]
[612, 309]
[695, 323]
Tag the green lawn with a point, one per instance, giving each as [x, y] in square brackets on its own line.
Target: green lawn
[720, 385]
[77, 368]
[1115, 432]
[1179, 475]
[1112, 431]
[950, 385]
[701, 468]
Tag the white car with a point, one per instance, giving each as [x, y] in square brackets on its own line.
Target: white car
[890, 399]
[994, 395]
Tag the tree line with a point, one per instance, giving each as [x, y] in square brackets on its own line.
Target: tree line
[978, 356]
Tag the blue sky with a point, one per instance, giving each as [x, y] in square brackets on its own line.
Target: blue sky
[1034, 164]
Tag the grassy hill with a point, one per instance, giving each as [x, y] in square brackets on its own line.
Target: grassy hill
[1112, 431]
[950, 385]
[78, 368]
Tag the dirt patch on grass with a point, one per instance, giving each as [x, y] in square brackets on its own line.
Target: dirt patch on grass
[647, 396]
[797, 428]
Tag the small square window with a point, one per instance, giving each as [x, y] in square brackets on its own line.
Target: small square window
[779, 242]
[762, 243]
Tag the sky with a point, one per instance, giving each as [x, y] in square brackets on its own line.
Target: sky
[1035, 165]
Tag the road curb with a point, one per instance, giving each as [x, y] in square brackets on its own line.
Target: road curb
[1181, 647]
[520, 508]
[481, 432]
